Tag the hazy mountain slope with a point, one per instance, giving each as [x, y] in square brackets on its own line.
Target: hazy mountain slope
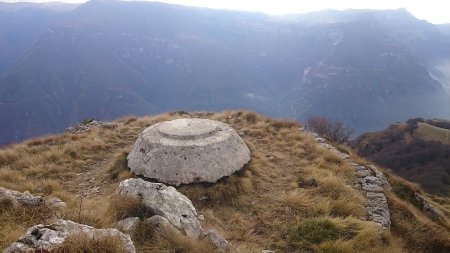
[367, 67]
[444, 28]
[106, 59]
[19, 31]
[418, 152]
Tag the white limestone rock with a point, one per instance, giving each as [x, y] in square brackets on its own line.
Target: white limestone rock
[19, 199]
[49, 237]
[164, 201]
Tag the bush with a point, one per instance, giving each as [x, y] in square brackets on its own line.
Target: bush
[334, 131]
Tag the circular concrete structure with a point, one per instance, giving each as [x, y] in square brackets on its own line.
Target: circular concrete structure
[184, 151]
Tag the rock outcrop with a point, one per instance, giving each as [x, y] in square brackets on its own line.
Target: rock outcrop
[427, 208]
[164, 201]
[19, 199]
[88, 126]
[44, 238]
[173, 212]
[187, 151]
[372, 183]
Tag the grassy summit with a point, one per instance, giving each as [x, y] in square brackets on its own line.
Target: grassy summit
[293, 196]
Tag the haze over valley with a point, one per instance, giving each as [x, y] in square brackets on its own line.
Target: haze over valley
[60, 64]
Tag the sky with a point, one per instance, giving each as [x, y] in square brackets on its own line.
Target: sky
[434, 11]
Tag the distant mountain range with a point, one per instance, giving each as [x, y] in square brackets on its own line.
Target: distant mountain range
[62, 63]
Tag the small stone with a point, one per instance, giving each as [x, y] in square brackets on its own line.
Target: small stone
[320, 140]
[201, 217]
[220, 244]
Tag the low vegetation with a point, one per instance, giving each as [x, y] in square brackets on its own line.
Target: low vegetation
[293, 196]
[82, 243]
[416, 151]
[333, 131]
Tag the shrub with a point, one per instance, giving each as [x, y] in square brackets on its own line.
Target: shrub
[334, 131]
[306, 182]
[87, 121]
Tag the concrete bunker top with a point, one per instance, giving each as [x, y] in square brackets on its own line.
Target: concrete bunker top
[184, 151]
[188, 129]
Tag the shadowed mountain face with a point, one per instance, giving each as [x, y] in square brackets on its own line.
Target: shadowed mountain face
[108, 59]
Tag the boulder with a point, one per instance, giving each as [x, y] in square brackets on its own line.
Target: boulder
[164, 201]
[50, 237]
[184, 151]
[19, 199]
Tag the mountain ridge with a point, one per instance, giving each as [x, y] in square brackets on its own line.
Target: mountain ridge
[137, 58]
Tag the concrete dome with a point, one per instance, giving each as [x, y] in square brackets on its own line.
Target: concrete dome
[184, 151]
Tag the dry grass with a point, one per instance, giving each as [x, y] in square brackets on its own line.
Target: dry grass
[432, 133]
[332, 234]
[123, 207]
[15, 221]
[423, 235]
[82, 243]
[289, 181]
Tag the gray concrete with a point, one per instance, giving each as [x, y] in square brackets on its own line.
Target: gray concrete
[187, 151]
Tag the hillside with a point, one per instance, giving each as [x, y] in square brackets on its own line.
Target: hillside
[433, 133]
[293, 196]
[418, 151]
[106, 59]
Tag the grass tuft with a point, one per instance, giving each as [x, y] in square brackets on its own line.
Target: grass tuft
[82, 243]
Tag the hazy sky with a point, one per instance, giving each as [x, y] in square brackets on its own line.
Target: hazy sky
[435, 11]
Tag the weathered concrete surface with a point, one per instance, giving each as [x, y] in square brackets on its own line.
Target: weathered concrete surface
[185, 151]
[164, 201]
[46, 238]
